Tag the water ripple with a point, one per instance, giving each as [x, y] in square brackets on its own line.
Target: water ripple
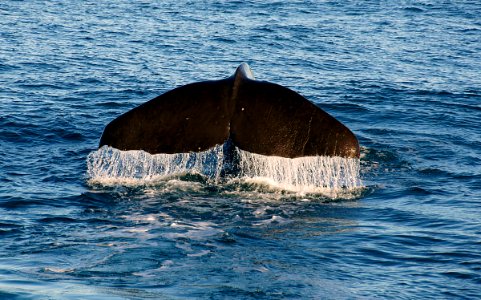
[404, 76]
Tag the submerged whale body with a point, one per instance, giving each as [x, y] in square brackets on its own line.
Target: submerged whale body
[255, 116]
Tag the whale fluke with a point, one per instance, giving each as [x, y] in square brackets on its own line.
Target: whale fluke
[256, 116]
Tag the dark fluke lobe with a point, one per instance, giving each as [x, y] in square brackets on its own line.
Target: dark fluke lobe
[257, 116]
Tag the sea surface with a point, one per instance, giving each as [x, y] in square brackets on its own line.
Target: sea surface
[404, 76]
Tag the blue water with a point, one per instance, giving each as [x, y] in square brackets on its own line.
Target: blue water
[405, 76]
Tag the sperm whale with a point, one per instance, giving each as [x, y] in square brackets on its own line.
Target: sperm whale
[255, 116]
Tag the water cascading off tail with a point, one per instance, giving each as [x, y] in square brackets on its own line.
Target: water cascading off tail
[108, 165]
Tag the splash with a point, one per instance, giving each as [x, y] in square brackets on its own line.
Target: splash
[109, 165]
[313, 174]
[302, 174]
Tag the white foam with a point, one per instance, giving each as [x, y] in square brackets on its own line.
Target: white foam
[108, 165]
[304, 174]
[314, 174]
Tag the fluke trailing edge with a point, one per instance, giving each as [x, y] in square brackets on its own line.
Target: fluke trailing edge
[256, 116]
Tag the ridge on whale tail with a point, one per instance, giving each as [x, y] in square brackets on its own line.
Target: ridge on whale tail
[255, 116]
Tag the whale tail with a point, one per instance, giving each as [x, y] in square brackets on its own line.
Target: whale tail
[256, 116]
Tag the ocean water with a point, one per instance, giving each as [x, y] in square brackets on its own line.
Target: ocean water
[404, 76]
